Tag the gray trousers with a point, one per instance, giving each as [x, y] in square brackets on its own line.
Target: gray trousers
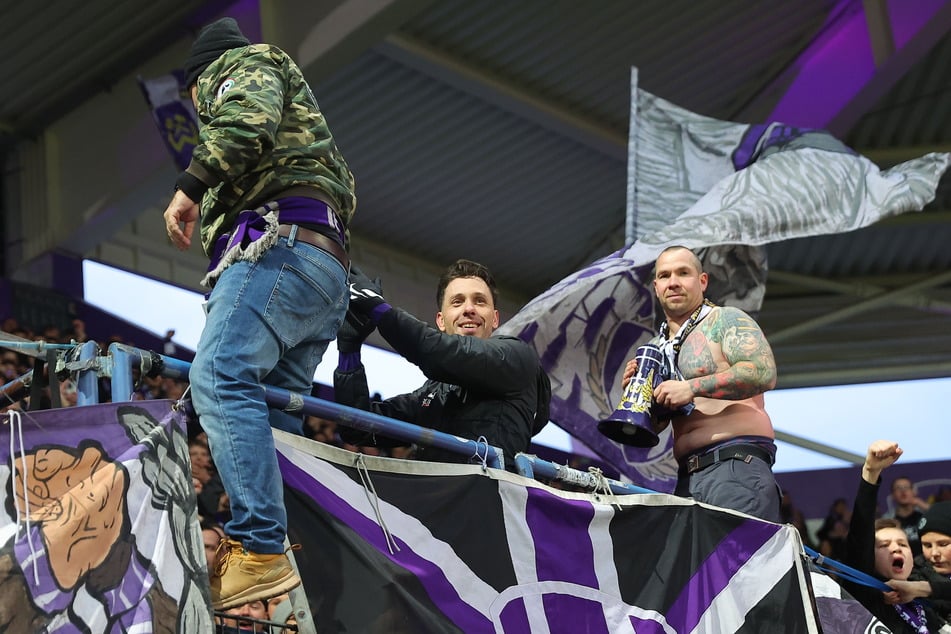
[734, 484]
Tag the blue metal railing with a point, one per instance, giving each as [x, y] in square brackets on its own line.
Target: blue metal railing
[121, 359]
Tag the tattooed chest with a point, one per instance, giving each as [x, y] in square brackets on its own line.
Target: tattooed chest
[696, 358]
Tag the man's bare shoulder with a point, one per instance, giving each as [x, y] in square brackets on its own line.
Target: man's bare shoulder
[725, 318]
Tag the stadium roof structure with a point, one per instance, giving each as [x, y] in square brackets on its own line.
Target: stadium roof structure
[498, 131]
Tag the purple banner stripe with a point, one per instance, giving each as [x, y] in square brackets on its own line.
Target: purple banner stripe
[644, 626]
[574, 614]
[430, 576]
[714, 575]
[514, 617]
[563, 549]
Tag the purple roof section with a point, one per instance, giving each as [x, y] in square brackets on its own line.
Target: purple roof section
[835, 80]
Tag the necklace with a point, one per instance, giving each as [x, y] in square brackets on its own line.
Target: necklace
[671, 347]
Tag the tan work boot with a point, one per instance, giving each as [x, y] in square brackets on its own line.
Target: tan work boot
[242, 576]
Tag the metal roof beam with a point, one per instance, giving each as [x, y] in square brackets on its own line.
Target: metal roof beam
[920, 301]
[866, 374]
[879, 30]
[505, 94]
[324, 41]
[818, 447]
[861, 307]
[889, 156]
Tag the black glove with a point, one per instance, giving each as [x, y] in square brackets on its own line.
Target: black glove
[366, 298]
[353, 332]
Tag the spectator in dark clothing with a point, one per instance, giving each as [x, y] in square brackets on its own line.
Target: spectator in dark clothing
[935, 564]
[479, 385]
[880, 548]
[909, 509]
[790, 514]
[834, 529]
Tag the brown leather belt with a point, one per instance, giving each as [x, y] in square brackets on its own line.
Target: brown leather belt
[319, 240]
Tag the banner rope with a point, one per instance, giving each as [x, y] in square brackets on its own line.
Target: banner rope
[374, 500]
[15, 420]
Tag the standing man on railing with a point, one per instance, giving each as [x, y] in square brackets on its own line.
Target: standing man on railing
[479, 385]
[722, 363]
[275, 199]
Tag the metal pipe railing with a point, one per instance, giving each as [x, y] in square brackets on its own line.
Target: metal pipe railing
[124, 356]
[532, 467]
[87, 384]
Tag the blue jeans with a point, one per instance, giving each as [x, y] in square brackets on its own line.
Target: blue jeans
[268, 322]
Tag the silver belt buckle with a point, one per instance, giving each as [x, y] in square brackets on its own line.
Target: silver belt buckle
[693, 463]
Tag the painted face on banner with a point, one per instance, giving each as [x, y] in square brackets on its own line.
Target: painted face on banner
[468, 309]
[78, 500]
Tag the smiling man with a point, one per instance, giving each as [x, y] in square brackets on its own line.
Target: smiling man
[478, 385]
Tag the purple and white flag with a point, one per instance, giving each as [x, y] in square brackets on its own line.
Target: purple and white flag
[98, 528]
[174, 115]
[840, 612]
[724, 189]
[396, 546]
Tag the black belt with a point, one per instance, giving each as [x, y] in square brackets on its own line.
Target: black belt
[319, 240]
[732, 452]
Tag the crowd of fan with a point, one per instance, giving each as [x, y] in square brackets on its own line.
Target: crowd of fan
[827, 535]
[17, 364]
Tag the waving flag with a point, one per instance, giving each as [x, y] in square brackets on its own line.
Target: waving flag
[724, 189]
[174, 115]
[394, 546]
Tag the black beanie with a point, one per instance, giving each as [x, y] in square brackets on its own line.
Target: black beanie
[213, 40]
[937, 519]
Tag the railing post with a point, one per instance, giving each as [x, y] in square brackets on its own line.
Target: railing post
[88, 382]
[121, 372]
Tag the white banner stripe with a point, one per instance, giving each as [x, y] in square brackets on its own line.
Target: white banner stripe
[754, 580]
[472, 590]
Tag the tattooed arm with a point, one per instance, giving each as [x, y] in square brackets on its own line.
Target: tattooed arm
[752, 369]
[743, 368]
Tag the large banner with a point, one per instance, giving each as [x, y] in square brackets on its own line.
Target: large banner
[98, 527]
[728, 188]
[393, 546]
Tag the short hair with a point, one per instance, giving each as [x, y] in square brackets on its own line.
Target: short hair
[465, 268]
[207, 524]
[677, 247]
[887, 522]
[899, 479]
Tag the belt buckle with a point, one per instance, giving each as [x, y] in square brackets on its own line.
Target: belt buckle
[693, 463]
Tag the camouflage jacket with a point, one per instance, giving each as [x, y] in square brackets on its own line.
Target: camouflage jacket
[261, 133]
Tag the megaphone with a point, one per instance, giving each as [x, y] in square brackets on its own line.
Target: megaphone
[630, 423]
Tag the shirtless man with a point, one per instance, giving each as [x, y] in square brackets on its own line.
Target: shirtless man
[723, 365]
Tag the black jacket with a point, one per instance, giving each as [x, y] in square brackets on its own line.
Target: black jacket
[860, 554]
[940, 598]
[493, 387]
